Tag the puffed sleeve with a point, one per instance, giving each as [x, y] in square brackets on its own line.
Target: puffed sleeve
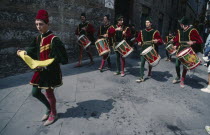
[194, 36]
[158, 37]
[111, 31]
[90, 29]
[139, 38]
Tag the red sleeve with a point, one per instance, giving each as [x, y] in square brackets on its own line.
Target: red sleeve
[176, 39]
[128, 33]
[90, 29]
[166, 40]
[111, 32]
[194, 36]
[139, 39]
[158, 37]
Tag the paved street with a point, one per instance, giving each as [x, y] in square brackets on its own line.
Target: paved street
[94, 103]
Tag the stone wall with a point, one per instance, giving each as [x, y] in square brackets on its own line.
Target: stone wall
[17, 28]
[164, 9]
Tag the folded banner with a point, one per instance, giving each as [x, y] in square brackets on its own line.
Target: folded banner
[34, 63]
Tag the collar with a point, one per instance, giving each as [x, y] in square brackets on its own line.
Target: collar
[119, 25]
[46, 34]
[149, 29]
[186, 28]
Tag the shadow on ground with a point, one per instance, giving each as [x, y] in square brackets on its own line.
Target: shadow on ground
[87, 109]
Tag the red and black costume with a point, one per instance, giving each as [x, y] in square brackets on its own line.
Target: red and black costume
[144, 36]
[118, 37]
[43, 47]
[87, 29]
[106, 29]
[182, 36]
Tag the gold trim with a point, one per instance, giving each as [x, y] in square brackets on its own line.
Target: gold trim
[46, 87]
[142, 39]
[166, 39]
[52, 39]
[178, 41]
[44, 48]
[153, 36]
[33, 84]
[191, 31]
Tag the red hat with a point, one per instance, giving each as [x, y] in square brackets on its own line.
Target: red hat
[43, 15]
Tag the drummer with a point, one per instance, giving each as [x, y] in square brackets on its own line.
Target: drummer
[187, 37]
[122, 33]
[87, 29]
[153, 38]
[167, 40]
[107, 32]
[134, 35]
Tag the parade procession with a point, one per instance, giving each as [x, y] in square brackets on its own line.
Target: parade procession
[121, 72]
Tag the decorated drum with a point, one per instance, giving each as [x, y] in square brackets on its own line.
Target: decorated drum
[189, 58]
[170, 48]
[102, 47]
[124, 48]
[84, 41]
[151, 56]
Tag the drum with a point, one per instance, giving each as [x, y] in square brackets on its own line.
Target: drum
[84, 41]
[189, 58]
[102, 47]
[151, 56]
[124, 48]
[170, 48]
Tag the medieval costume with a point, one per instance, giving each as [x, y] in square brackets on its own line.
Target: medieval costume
[182, 41]
[122, 33]
[106, 32]
[44, 47]
[87, 29]
[147, 37]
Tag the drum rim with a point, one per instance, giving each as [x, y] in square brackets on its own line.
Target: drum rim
[87, 45]
[119, 44]
[156, 62]
[131, 50]
[188, 48]
[81, 37]
[105, 52]
[143, 53]
[169, 45]
[99, 40]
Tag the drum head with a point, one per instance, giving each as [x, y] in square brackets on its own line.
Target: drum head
[148, 49]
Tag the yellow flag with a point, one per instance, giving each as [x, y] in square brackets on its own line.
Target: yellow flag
[34, 63]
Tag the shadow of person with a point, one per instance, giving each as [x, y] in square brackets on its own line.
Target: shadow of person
[87, 109]
[161, 76]
[195, 82]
